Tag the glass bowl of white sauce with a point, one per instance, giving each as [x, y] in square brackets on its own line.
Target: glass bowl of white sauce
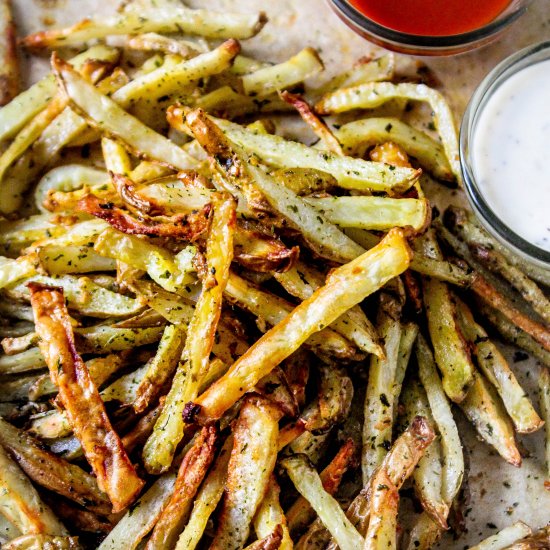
[505, 153]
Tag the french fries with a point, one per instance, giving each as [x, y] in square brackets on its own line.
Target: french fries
[21, 504]
[100, 442]
[218, 279]
[505, 537]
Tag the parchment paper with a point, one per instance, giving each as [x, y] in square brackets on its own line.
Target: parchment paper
[500, 493]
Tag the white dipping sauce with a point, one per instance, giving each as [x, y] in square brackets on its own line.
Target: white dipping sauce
[511, 153]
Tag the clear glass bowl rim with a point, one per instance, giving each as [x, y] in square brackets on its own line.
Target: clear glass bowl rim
[515, 10]
[511, 65]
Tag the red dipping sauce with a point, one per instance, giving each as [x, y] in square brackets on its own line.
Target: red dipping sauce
[431, 17]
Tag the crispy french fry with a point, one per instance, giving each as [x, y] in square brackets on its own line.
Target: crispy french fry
[428, 473]
[110, 118]
[192, 470]
[21, 504]
[302, 281]
[169, 271]
[491, 253]
[484, 409]
[364, 70]
[100, 442]
[268, 80]
[495, 367]
[424, 533]
[249, 470]
[544, 401]
[207, 499]
[273, 541]
[176, 19]
[539, 539]
[171, 78]
[357, 136]
[379, 400]
[152, 41]
[382, 531]
[345, 287]
[269, 516]
[513, 333]
[451, 446]
[273, 310]
[450, 351]
[409, 332]
[84, 296]
[141, 517]
[105, 338]
[161, 367]
[52, 472]
[161, 446]
[505, 537]
[368, 96]
[309, 485]
[375, 213]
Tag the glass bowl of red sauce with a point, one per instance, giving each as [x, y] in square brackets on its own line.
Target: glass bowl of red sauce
[430, 27]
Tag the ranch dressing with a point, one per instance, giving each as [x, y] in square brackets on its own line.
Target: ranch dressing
[511, 153]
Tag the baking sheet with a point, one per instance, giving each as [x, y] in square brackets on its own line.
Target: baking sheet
[500, 494]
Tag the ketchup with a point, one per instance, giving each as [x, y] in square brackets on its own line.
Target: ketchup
[431, 17]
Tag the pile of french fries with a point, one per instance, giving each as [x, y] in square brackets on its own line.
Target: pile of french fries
[217, 337]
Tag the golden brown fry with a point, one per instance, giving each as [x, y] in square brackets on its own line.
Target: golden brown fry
[290, 432]
[9, 73]
[382, 531]
[274, 387]
[495, 299]
[346, 287]
[102, 446]
[250, 467]
[320, 128]
[190, 475]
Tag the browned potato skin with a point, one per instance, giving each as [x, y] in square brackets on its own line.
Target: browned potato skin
[101, 444]
[9, 71]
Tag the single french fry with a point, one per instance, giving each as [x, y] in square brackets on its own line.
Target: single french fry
[250, 466]
[451, 446]
[483, 407]
[379, 401]
[173, 20]
[505, 537]
[81, 399]
[344, 288]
